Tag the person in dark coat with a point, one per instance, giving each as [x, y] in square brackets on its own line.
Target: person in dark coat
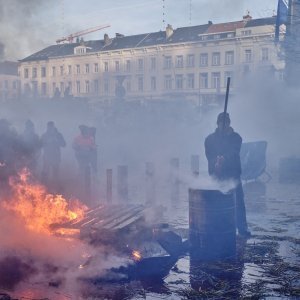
[222, 150]
[52, 141]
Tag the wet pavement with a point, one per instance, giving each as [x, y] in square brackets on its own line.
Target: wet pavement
[267, 265]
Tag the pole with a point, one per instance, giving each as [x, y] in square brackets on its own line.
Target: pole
[122, 183]
[109, 185]
[226, 100]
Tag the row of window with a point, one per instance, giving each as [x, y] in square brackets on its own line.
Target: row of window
[60, 71]
[6, 84]
[87, 68]
[168, 63]
[215, 59]
[178, 82]
[224, 35]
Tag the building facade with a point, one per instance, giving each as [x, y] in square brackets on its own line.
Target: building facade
[190, 63]
[9, 81]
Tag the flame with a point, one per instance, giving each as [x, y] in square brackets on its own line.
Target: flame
[136, 255]
[38, 208]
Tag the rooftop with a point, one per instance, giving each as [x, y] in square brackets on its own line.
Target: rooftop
[180, 35]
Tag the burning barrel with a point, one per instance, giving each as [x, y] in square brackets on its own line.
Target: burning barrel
[212, 231]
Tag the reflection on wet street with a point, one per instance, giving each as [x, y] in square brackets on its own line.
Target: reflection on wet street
[267, 265]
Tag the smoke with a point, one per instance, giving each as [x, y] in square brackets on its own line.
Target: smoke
[13, 271]
[20, 20]
[28, 258]
[266, 109]
[207, 183]
[261, 108]
[1, 51]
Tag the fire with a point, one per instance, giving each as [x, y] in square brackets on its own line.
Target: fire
[38, 208]
[136, 255]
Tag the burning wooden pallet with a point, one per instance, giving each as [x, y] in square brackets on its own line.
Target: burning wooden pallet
[110, 218]
[124, 227]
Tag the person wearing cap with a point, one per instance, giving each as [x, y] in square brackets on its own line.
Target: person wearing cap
[222, 150]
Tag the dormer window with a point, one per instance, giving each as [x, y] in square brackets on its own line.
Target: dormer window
[80, 50]
[246, 32]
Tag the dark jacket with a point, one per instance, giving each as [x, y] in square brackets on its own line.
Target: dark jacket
[51, 142]
[227, 145]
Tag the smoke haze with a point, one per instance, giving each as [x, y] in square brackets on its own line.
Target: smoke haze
[22, 27]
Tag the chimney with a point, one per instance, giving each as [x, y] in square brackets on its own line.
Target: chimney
[247, 17]
[169, 31]
[119, 35]
[106, 39]
[210, 22]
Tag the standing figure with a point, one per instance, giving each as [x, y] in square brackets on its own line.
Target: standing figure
[85, 149]
[52, 140]
[222, 150]
[32, 146]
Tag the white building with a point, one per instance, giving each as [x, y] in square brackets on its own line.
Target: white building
[9, 80]
[191, 62]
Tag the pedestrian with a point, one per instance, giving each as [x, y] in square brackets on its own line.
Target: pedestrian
[222, 150]
[85, 149]
[52, 141]
[32, 146]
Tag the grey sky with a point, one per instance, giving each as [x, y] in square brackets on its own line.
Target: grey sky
[30, 25]
[139, 16]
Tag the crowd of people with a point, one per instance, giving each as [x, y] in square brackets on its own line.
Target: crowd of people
[222, 149]
[42, 154]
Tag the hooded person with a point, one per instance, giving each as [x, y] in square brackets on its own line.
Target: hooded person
[222, 150]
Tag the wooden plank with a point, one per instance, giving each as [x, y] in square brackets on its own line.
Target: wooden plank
[75, 224]
[119, 220]
[129, 221]
[110, 222]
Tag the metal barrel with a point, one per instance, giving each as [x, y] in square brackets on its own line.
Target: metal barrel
[212, 225]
